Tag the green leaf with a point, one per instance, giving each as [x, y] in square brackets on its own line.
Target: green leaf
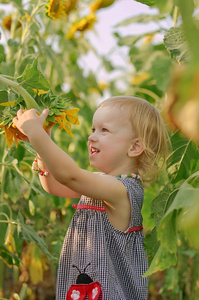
[171, 281]
[176, 44]
[19, 152]
[34, 78]
[129, 40]
[141, 19]
[13, 182]
[189, 222]
[148, 2]
[186, 191]
[160, 70]
[9, 257]
[183, 157]
[163, 5]
[161, 261]
[167, 231]
[151, 244]
[13, 43]
[148, 222]
[2, 54]
[161, 203]
[3, 96]
[190, 27]
[30, 235]
[18, 2]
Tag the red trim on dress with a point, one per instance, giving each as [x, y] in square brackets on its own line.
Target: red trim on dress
[84, 206]
[134, 229]
[93, 207]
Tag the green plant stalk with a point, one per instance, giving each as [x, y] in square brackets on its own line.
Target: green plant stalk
[175, 15]
[3, 174]
[29, 100]
[191, 31]
[1, 278]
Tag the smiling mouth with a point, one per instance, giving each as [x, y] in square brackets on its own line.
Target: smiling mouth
[94, 150]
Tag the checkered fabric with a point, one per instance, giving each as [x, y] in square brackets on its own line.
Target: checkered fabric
[115, 259]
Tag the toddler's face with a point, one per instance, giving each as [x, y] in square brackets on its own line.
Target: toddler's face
[110, 140]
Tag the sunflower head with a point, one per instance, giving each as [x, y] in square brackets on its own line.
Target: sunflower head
[8, 21]
[82, 25]
[70, 5]
[58, 113]
[55, 9]
[100, 4]
[65, 118]
[12, 135]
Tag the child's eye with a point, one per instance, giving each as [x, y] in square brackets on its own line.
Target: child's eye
[104, 130]
[93, 129]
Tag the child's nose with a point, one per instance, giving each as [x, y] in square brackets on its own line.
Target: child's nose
[92, 137]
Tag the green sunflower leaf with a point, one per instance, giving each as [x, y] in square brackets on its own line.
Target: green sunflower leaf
[29, 234]
[33, 77]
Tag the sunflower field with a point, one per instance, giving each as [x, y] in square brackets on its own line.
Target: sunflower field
[43, 45]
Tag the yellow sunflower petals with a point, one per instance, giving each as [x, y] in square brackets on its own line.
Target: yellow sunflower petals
[70, 113]
[8, 103]
[55, 9]
[100, 4]
[12, 135]
[61, 120]
[84, 24]
[40, 92]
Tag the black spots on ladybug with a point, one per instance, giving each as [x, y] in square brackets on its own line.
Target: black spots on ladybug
[83, 278]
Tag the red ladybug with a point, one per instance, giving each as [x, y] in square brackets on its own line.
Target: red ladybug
[84, 286]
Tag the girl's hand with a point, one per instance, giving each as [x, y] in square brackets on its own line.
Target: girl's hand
[30, 120]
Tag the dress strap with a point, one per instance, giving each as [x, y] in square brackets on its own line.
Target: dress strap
[92, 207]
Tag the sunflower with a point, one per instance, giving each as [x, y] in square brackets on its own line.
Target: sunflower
[64, 119]
[70, 5]
[84, 24]
[138, 79]
[12, 135]
[57, 105]
[100, 4]
[63, 122]
[8, 21]
[55, 9]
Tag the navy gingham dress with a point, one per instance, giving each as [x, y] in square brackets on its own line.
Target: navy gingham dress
[113, 258]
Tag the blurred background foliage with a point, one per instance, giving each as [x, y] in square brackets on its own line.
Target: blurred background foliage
[163, 68]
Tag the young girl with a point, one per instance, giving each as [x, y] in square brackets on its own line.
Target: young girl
[103, 255]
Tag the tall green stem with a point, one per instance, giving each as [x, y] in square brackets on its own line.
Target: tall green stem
[191, 30]
[175, 15]
[29, 100]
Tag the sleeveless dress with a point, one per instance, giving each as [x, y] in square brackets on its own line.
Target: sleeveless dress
[112, 259]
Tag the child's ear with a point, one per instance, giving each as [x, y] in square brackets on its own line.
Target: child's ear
[136, 148]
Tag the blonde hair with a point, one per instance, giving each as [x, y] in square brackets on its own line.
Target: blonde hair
[149, 127]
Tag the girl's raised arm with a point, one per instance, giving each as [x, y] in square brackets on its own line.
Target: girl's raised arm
[62, 167]
[52, 186]
[67, 174]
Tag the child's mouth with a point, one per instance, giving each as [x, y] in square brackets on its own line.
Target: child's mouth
[94, 150]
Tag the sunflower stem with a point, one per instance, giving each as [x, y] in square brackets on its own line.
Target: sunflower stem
[29, 100]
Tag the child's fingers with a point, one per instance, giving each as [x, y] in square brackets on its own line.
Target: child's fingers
[44, 114]
[15, 120]
[19, 113]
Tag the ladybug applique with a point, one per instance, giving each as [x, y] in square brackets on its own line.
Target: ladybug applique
[84, 287]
